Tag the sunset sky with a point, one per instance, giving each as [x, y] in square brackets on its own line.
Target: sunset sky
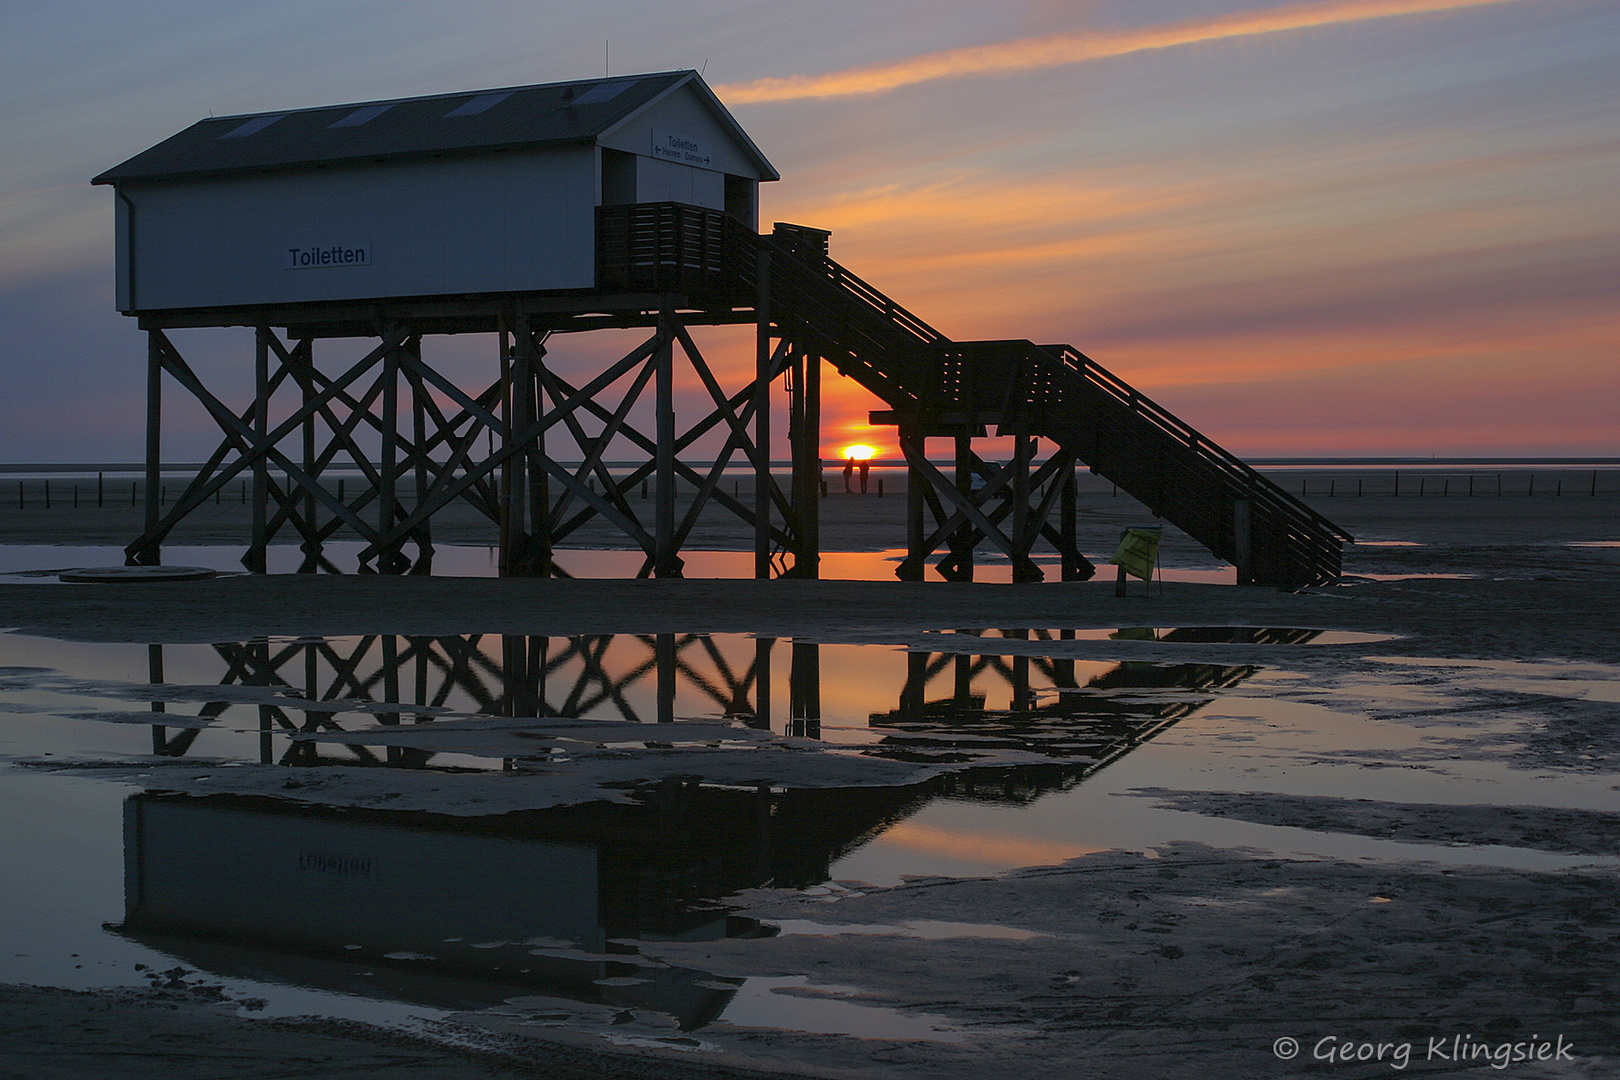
[1339, 227]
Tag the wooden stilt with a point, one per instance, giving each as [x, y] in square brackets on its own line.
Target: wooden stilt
[148, 554]
[762, 418]
[665, 562]
[254, 559]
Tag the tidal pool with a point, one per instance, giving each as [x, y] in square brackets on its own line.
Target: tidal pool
[385, 827]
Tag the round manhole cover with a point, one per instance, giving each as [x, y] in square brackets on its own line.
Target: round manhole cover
[121, 574]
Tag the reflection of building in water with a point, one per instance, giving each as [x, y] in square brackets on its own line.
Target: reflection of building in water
[632, 677]
[1062, 707]
[455, 912]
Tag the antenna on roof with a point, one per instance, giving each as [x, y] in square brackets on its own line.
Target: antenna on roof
[605, 71]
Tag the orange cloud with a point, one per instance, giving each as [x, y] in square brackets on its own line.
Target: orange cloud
[1059, 50]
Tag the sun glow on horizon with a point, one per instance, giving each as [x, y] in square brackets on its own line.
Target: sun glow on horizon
[858, 452]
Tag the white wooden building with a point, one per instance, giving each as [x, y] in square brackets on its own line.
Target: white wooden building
[475, 193]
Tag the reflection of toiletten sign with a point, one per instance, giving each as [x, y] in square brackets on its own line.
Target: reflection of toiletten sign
[303, 258]
[681, 148]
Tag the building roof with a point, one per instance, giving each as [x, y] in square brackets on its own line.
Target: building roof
[477, 121]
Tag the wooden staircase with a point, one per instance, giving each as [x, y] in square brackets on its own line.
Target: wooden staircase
[1054, 392]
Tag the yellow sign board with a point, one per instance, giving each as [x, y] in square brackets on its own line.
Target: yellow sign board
[1138, 551]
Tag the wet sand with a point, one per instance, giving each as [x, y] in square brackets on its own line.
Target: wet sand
[1183, 961]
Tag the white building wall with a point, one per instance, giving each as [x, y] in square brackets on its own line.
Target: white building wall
[683, 152]
[503, 222]
[668, 181]
[684, 114]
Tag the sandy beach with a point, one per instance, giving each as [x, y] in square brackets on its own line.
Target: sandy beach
[1184, 959]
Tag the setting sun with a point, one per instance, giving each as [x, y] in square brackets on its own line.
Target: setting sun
[859, 452]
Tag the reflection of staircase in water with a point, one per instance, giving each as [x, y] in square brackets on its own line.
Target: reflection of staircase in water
[1081, 728]
[1065, 719]
[403, 682]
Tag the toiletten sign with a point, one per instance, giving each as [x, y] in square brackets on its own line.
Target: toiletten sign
[671, 146]
[306, 258]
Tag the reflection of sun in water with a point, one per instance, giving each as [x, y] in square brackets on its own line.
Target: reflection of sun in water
[860, 452]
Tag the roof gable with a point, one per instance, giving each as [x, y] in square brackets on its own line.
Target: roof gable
[480, 121]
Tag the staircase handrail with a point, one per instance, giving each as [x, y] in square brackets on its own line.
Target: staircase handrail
[1167, 422]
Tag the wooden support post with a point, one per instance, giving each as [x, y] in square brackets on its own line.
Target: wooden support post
[389, 559]
[1074, 569]
[963, 539]
[419, 436]
[503, 340]
[150, 555]
[913, 444]
[522, 416]
[538, 508]
[762, 418]
[254, 559]
[1023, 536]
[303, 358]
[808, 509]
[1242, 552]
[804, 439]
[666, 563]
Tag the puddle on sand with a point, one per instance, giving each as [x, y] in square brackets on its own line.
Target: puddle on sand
[1184, 635]
[357, 909]
[42, 562]
[822, 1010]
[926, 929]
[1350, 579]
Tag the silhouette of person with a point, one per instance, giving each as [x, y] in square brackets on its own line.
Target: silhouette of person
[849, 473]
[866, 467]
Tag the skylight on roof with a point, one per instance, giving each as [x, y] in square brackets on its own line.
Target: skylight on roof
[601, 92]
[474, 106]
[361, 115]
[258, 123]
